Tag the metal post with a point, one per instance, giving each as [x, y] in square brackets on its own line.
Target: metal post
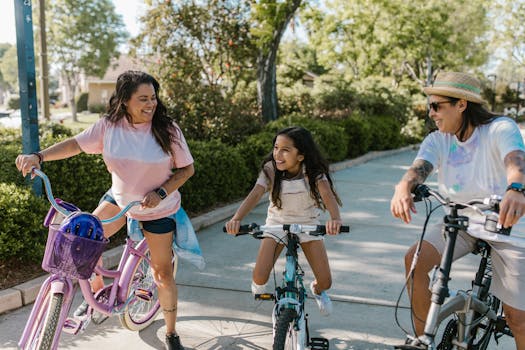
[44, 69]
[26, 79]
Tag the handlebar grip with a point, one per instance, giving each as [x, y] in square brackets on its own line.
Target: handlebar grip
[344, 229]
[244, 229]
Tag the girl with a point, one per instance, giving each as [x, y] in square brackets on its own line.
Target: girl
[299, 182]
[141, 145]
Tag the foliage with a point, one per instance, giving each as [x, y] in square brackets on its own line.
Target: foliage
[9, 67]
[21, 231]
[330, 137]
[254, 149]
[206, 59]
[269, 22]
[82, 102]
[83, 37]
[357, 128]
[385, 133]
[96, 108]
[397, 38]
[205, 189]
[14, 102]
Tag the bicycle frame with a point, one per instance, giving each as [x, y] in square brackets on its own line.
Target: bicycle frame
[292, 293]
[466, 305]
[115, 296]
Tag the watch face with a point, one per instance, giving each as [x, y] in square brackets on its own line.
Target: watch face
[517, 186]
[162, 194]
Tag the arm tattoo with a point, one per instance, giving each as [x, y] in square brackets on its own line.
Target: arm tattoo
[418, 172]
[516, 160]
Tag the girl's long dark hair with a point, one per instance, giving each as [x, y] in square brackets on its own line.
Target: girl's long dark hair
[475, 114]
[162, 126]
[314, 163]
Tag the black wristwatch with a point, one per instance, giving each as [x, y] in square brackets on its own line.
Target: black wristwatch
[161, 191]
[516, 186]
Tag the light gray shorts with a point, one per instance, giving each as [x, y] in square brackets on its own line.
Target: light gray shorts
[508, 264]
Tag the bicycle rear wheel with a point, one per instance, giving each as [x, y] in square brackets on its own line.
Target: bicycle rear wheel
[145, 306]
[45, 324]
[286, 336]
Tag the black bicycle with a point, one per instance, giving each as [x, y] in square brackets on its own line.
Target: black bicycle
[477, 314]
[290, 321]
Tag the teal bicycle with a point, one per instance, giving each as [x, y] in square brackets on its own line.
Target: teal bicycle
[289, 318]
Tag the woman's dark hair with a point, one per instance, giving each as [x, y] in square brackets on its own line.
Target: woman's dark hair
[475, 114]
[128, 83]
[314, 163]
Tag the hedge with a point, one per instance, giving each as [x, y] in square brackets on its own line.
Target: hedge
[223, 173]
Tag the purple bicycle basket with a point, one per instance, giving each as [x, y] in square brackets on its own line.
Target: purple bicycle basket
[70, 255]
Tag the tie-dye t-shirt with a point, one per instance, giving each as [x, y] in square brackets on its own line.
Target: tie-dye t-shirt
[136, 162]
[474, 168]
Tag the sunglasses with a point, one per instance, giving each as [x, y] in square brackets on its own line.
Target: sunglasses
[435, 105]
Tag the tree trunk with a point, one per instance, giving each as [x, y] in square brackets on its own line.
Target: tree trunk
[267, 86]
[266, 66]
[73, 105]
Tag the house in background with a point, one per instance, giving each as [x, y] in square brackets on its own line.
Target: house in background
[309, 79]
[100, 89]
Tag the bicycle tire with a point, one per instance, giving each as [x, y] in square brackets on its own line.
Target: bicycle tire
[140, 313]
[46, 323]
[286, 337]
[481, 334]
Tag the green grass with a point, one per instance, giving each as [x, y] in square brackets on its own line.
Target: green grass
[84, 120]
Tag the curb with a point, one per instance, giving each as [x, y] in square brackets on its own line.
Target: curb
[26, 293]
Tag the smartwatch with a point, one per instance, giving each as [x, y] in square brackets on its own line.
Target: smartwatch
[516, 186]
[161, 191]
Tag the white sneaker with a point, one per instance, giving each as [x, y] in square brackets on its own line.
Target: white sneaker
[323, 301]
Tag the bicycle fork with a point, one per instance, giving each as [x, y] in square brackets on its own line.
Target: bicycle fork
[52, 285]
[453, 224]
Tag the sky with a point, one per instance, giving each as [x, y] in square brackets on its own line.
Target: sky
[130, 10]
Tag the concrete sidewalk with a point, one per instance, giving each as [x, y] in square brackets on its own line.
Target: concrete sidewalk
[217, 311]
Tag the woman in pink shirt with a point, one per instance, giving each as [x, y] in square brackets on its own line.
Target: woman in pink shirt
[141, 146]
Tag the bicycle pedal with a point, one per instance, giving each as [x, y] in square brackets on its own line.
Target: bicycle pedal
[319, 344]
[143, 294]
[72, 326]
[265, 296]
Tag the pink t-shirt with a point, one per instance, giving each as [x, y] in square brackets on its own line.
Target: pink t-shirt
[136, 162]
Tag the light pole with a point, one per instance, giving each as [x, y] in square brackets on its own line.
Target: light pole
[493, 77]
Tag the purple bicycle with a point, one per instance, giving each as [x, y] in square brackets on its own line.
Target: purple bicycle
[132, 294]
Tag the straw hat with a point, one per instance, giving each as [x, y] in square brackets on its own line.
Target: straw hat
[458, 85]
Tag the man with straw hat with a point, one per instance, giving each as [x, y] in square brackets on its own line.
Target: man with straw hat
[477, 154]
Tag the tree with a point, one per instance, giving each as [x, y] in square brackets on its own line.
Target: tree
[204, 56]
[270, 19]
[83, 37]
[399, 38]
[8, 67]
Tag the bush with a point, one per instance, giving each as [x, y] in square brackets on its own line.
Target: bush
[385, 133]
[329, 136]
[82, 102]
[97, 108]
[21, 231]
[220, 176]
[14, 102]
[253, 150]
[357, 129]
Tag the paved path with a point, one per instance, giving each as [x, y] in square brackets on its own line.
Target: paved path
[216, 310]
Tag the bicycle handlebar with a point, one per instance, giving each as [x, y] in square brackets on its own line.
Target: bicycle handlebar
[257, 230]
[488, 207]
[65, 212]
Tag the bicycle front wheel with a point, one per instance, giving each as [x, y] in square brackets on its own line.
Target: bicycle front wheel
[145, 306]
[287, 337]
[46, 322]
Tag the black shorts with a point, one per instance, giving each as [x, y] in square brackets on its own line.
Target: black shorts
[163, 225]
